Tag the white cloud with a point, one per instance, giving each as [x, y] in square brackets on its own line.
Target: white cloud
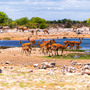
[50, 7]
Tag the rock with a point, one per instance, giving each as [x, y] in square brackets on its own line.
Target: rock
[31, 70]
[86, 64]
[87, 67]
[70, 60]
[7, 62]
[44, 61]
[52, 63]
[1, 62]
[0, 71]
[30, 62]
[35, 65]
[5, 67]
[79, 64]
[43, 67]
[55, 68]
[11, 67]
[74, 63]
[88, 73]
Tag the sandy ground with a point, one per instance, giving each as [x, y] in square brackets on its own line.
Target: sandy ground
[11, 79]
[20, 72]
[14, 54]
[41, 35]
[15, 57]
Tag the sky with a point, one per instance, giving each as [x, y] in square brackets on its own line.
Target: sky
[46, 9]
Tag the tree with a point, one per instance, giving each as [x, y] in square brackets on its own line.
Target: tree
[37, 20]
[43, 25]
[68, 24]
[64, 21]
[88, 22]
[22, 21]
[3, 18]
[59, 21]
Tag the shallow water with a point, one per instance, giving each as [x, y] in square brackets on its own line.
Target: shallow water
[85, 44]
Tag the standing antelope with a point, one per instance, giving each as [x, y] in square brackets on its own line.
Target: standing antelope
[32, 41]
[32, 31]
[69, 44]
[77, 43]
[26, 47]
[45, 30]
[42, 47]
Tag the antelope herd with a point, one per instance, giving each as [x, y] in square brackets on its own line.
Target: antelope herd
[47, 47]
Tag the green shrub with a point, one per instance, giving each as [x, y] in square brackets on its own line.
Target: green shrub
[7, 38]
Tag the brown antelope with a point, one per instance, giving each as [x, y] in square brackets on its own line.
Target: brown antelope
[32, 31]
[74, 28]
[69, 44]
[49, 46]
[77, 43]
[26, 47]
[42, 47]
[53, 41]
[58, 46]
[62, 47]
[24, 28]
[32, 41]
[45, 31]
[45, 41]
[37, 31]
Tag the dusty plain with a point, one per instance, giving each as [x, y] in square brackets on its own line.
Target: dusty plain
[20, 72]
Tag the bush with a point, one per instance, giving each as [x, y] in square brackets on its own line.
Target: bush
[7, 38]
[43, 25]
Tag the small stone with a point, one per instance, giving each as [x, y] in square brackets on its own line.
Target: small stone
[55, 68]
[35, 65]
[5, 67]
[10, 67]
[70, 60]
[31, 70]
[7, 62]
[30, 62]
[44, 61]
[52, 63]
[0, 71]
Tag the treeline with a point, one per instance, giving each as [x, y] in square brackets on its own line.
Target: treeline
[37, 22]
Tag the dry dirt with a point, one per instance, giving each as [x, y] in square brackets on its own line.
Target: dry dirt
[14, 54]
[20, 78]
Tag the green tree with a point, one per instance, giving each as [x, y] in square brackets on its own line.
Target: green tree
[64, 21]
[43, 25]
[59, 21]
[88, 22]
[68, 24]
[22, 21]
[3, 18]
[37, 20]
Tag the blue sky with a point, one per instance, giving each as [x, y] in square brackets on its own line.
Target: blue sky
[47, 9]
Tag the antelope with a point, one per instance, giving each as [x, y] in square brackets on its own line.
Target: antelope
[77, 43]
[24, 28]
[45, 30]
[62, 47]
[26, 47]
[58, 46]
[32, 31]
[53, 41]
[49, 46]
[45, 41]
[42, 46]
[32, 41]
[69, 44]
[37, 31]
